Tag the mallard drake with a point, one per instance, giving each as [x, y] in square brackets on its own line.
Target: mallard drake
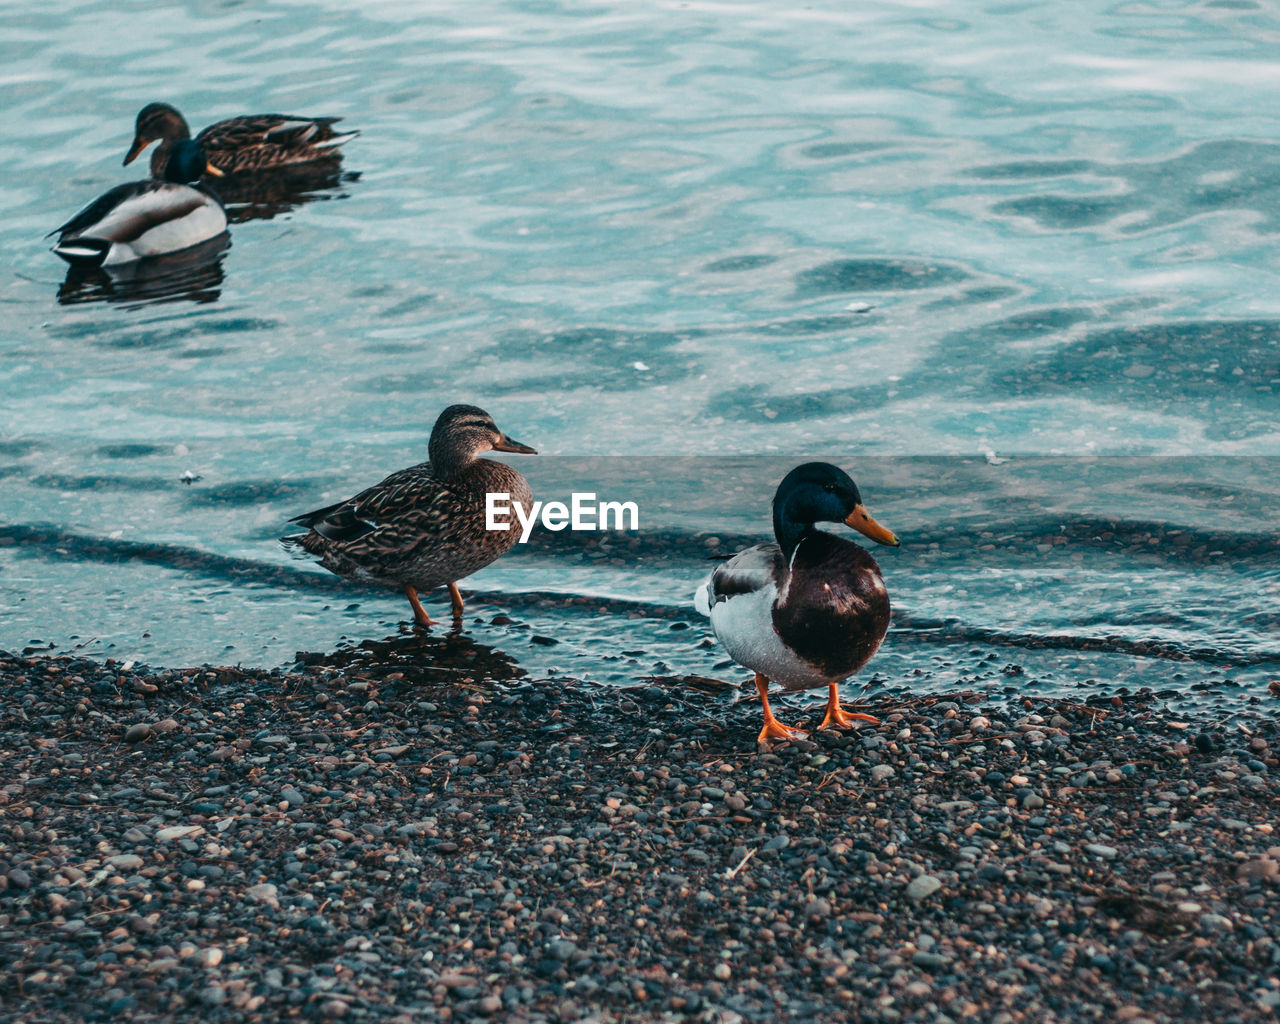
[811, 609]
[146, 218]
[424, 526]
[240, 145]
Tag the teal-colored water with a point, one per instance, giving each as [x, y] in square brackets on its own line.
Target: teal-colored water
[1014, 230]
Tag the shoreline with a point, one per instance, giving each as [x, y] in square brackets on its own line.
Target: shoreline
[367, 837]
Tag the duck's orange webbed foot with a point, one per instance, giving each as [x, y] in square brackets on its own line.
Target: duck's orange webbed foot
[837, 717]
[773, 729]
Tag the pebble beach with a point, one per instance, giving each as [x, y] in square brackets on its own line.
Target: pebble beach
[375, 834]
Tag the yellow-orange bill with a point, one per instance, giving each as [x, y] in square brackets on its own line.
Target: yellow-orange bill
[210, 169]
[868, 527]
[508, 445]
[138, 146]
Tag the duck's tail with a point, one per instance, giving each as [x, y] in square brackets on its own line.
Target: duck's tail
[83, 252]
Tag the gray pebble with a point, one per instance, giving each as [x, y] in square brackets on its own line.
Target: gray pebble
[922, 886]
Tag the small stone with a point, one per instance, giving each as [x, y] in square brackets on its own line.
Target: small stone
[137, 732]
[723, 971]
[333, 1009]
[292, 797]
[880, 772]
[1264, 867]
[1100, 850]
[929, 961]
[1215, 923]
[178, 832]
[213, 995]
[264, 892]
[125, 861]
[921, 886]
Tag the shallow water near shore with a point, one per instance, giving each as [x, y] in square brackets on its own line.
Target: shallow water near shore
[1055, 576]
[952, 254]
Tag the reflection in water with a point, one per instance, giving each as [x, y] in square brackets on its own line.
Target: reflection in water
[418, 657]
[194, 275]
[267, 195]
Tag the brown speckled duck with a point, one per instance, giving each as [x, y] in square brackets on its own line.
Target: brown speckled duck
[424, 527]
[250, 144]
[811, 609]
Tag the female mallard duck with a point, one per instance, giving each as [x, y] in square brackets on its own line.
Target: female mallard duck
[146, 218]
[240, 145]
[424, 526]
[811, 609]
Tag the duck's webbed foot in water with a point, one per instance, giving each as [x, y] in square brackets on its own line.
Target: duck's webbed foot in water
[773, 729]
[837, 717]
[420, 616]
[456, 598]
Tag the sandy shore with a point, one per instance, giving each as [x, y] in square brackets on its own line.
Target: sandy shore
[371, 838]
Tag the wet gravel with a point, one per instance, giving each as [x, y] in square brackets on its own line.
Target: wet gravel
[376, 836]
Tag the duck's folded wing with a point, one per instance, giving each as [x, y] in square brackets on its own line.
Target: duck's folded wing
[409, 491]
[747, 572]
[99, 208]
[268, 129]
[127, 212]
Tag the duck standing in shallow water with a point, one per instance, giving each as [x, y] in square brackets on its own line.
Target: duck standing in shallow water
[146, 218]
[250, 144]
[811, 609]
[425, 526]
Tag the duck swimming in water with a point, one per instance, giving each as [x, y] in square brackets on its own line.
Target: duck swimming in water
[146, 218]
[425, 526]
[249, 144]
[811, 609]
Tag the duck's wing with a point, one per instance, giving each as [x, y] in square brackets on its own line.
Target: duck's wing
[259, 141]
[750, 571]
[376, 508]
[99, 208]
[128, 211]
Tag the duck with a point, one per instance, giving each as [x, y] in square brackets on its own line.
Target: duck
[240, 145]
[425, 526]
[810, 609]
[160, 215]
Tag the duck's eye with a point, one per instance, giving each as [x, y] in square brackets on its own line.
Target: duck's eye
[830, 488]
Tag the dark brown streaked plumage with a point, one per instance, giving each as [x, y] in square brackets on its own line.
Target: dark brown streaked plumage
[425, 526]
[249, 144]
[811, 609]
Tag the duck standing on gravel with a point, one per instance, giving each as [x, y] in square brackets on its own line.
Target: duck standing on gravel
[146, 218]
[250, 144]
[811, 609]
[425, 526]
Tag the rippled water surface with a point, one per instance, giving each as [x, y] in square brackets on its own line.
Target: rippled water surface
[919, 240]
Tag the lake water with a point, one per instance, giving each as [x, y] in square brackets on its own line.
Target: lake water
[1014, 266]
